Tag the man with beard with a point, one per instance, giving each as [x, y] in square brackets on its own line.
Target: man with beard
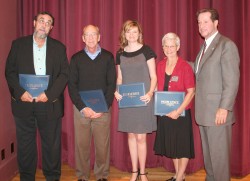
[38, 54]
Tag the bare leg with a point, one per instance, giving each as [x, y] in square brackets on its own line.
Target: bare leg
[132, 144]
[175, 166]
[142, 149]
[182, 165]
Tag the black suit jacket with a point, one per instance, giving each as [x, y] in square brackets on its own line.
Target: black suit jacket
[20, 61]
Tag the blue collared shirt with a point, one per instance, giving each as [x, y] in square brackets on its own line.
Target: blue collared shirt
[93, 55]
[39, 57]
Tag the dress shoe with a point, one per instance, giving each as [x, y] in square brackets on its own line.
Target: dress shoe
[138, 174]
[171, 179]
[145, 174]
[102, 179]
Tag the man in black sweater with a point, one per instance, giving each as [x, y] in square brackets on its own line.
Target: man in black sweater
[90, 69]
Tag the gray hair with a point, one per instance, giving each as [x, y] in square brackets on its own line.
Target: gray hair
[171, 36]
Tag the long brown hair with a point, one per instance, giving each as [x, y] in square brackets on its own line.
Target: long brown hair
[126, 26]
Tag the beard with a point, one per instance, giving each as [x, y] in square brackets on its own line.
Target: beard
[39, 35]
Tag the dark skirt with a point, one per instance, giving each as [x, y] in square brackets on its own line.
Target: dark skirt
[174, 138]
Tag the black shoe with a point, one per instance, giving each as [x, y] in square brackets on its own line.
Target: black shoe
[171, 179]
[102, 179]
[138, 174]
[144, 174]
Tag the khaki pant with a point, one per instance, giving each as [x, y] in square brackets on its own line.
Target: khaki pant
[84, 129]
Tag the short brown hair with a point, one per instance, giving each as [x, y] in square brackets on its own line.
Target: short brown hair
[47, 13]
[214, 13]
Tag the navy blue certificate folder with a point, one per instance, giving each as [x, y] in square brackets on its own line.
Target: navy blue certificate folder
[167, 101]
[131, 94]
[95, 100]
[34, 84]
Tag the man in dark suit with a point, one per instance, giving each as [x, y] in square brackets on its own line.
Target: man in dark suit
[217, 79]
[38, 54]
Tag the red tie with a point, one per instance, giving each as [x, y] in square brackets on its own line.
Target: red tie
[202, 53]
[203, 50]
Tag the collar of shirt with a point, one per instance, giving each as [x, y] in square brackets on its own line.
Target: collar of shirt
[93, 55]
[210, 39]
[39, 57]
[34, 42]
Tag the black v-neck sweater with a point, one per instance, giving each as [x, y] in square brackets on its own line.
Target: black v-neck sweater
[88, 74]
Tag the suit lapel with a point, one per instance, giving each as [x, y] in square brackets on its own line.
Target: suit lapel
[207, 54]
[29, 60]
[197, 59]
[49, 59]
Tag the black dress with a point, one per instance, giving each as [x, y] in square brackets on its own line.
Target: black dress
[174, 138]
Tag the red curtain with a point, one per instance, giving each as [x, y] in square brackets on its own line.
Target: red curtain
[157, 17]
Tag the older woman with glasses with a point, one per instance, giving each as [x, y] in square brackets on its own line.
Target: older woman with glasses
[174, 138]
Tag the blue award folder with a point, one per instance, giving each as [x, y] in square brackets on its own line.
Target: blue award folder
[34, 84]
[167, 101]
[95, 100]
[131, 94]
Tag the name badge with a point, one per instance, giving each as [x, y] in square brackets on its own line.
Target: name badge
[174, 78]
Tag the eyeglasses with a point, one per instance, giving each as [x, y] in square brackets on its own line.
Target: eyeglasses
[87, 35]
[42, 21]
[170, 47]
